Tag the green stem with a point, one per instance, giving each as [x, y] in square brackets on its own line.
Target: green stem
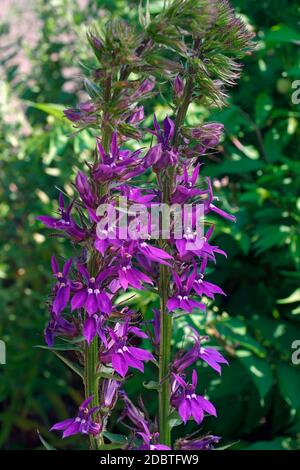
[164, 358]
[164, 289]
[91, 381]
[91, 353]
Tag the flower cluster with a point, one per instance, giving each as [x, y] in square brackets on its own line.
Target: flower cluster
[84, 298]
[119, 250]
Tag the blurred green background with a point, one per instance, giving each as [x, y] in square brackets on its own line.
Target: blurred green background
[257, 175]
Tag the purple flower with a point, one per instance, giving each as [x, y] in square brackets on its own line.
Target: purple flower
[182, 299]
[128, 275]
[140, 421]
[63, 286]
[118, 164]
[84, 189]
[203, 287]
[192, 244]
[88, 295]
[137, 116]
[187, 402]
[186, 188]
[58, 326]
[109, 394]
[95, 324]
[65, 222]
[82, 423]
[209, 206]
[83, 114]
[162, 154]
[119, 352]
[209, 134]
[209, 355]
[178, 86]
[134, 414]
[200, 443]
[153, 253]
[150, 441]
[144, 88]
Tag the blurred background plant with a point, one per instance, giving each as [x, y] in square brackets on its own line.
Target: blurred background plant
[257, 174]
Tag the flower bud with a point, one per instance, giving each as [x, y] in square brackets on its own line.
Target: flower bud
[178, 86]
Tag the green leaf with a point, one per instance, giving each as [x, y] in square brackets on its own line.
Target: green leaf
[72, 365]
[115, 438]
[282, 33]
[259, 370]
[289, 384]
[151, 385]
[263, 106]
[59, 347]
[51, 109]
[45, 443]
[236, 331]
[294, 297]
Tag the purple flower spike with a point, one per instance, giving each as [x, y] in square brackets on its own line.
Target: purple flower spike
[82, 423]
[188, 403]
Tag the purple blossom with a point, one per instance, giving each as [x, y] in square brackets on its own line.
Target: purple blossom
[63, 285]
[209, 206]
[65, 222]
[83, 114]
[58, 326]
[137, 116]
[203, 287]
[193, 244]
[118, 164]
[209, 134]
[209, 355]
[121, 354]
[89, 295]
[178, 86]
[109, 394]
[183, 299]
[187, 402]
[150, 441]
[162, 154]
[144, 88]
[95, 324]
[85, 190]
[186, 188]
[200, 443]
[140, 421]
[128, 275]
[82, 423]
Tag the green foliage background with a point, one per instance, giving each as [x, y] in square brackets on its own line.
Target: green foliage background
[257, 171]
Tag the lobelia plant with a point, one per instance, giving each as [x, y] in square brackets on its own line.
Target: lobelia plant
[189, 49]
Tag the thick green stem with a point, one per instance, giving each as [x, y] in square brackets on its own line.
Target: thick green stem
[91, 353]
[164, 359]
[91, 381]
[164, 289]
